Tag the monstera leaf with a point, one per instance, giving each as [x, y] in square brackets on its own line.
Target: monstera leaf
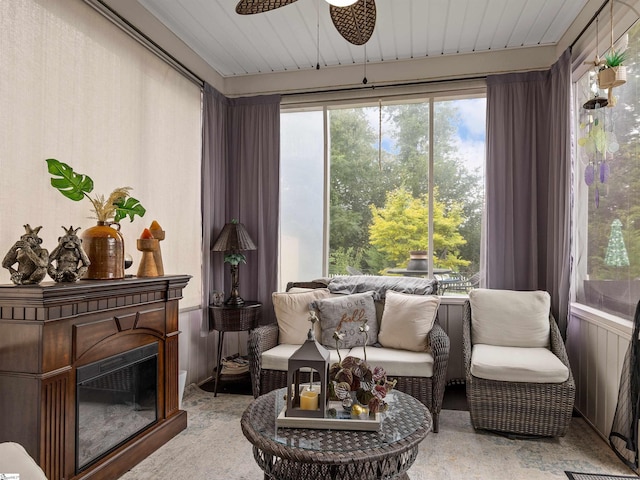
[69, 183]
[128, 207]
[76, 186]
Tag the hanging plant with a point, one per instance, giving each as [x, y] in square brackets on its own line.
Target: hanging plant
[615, 59]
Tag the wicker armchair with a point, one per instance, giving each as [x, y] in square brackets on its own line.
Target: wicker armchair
[428, 390]
[537, 409]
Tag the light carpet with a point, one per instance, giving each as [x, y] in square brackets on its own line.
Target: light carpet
[214, 448]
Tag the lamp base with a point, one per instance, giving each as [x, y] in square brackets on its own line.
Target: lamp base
[234, 301]
[234, 297]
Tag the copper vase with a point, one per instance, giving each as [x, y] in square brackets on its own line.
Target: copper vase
[105, 248]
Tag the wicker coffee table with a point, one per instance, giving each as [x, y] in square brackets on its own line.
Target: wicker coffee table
[301, 453]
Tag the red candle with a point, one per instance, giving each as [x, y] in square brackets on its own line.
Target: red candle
[146, 234]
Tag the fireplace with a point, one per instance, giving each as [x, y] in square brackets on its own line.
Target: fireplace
[77, 355]
[116, 398]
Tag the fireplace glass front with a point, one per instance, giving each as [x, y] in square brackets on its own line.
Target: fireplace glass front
[116, 398]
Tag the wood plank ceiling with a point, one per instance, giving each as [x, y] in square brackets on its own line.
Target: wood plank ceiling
[300, 35]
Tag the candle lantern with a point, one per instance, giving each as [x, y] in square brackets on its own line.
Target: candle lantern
[308, 399]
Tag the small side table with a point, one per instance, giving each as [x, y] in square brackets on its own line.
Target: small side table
[231, 318]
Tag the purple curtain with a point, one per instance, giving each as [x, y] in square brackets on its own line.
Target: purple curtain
[241, 177]
[528, 183]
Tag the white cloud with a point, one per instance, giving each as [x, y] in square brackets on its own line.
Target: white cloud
[473, 153]
[473, 115]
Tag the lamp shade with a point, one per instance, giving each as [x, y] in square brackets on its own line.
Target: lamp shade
[233, 238]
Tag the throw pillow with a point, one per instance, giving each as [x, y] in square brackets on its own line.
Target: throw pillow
[510, 318]
[407, 320]
[346, 313]
[292, 314]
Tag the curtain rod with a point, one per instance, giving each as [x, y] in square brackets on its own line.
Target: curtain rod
[595, 16]
[131, 30]
[387, 85]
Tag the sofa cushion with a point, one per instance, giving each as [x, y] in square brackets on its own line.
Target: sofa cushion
[510, 318]
[277, 358]
[407, 320]
[346, 313]
[517, 364]
[292, 314]
[397, 362]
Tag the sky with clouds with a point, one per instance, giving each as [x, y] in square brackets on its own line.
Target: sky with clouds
[470, 127]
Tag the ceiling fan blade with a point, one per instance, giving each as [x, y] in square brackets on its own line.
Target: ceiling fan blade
[249, 7]
[355, 22]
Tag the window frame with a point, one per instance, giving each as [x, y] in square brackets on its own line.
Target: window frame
[430, 93]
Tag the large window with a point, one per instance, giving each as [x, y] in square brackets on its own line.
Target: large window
[607, 274]
[367, 206]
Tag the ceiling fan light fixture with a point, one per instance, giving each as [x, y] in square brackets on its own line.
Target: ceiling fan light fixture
[341, 3]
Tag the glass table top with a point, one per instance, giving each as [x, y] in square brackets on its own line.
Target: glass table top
[404, 417]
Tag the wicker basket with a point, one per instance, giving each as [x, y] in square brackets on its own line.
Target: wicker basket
[612, 77]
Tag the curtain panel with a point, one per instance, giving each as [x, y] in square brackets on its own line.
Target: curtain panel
[241, 178]
[528, 183]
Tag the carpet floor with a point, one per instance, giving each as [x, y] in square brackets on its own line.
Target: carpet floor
[214, 448]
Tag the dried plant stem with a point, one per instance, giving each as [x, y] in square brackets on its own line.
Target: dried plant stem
[106, 209]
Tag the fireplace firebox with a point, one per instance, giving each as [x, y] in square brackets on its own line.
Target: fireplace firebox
[116, 398]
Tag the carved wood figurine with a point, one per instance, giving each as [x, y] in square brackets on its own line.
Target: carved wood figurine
[147, 245]
[32, 259]
[71, 261]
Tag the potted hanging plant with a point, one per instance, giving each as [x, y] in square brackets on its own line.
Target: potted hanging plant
[613, 73]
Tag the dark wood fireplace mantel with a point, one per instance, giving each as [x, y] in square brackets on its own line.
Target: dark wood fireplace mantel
[49, 330]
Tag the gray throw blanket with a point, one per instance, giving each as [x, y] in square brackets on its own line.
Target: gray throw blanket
[380, 285]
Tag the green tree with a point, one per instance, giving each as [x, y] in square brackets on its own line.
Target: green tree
[457, 184]
[355, 178]
[341, 258]
[361, 176]
[401, 226]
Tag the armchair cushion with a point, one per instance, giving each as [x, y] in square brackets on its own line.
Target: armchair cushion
[398, 363]
[407, 320]
[510, 318]
[517, 364]
[346, 313]
[292, 314]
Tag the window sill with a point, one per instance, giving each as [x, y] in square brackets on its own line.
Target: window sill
[611, 322]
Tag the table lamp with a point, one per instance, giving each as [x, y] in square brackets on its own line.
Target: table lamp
[232, 240]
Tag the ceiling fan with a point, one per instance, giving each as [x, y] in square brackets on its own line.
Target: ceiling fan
[354, 19]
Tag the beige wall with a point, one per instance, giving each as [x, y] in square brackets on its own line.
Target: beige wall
[76, 88]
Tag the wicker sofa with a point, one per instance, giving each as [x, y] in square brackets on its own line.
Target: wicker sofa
[421, 374]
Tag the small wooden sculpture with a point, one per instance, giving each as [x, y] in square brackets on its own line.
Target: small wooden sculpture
[32, 259]
[147, 245]
[71, 261]
[158, 234]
